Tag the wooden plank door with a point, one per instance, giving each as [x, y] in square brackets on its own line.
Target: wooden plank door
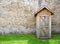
[44, 26]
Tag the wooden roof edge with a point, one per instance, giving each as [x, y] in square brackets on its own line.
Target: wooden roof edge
[43, 9]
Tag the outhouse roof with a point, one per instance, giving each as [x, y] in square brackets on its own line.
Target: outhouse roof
[43, 9]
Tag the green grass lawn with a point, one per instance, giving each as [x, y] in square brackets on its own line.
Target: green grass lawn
[28, 39]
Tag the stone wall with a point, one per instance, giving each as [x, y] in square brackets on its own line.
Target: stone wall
[17, 16]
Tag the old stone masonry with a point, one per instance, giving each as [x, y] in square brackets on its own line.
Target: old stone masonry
[18, 16]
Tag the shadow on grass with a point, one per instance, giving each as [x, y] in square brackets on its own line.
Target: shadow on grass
[55, 36]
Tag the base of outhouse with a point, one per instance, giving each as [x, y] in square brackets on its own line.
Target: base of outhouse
[44, 37]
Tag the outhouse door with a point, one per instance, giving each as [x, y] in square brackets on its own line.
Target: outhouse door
[43, 26]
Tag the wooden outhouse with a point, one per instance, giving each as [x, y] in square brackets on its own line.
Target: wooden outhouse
[43, 23]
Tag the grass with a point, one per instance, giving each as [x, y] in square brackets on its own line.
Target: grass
[28, 39]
